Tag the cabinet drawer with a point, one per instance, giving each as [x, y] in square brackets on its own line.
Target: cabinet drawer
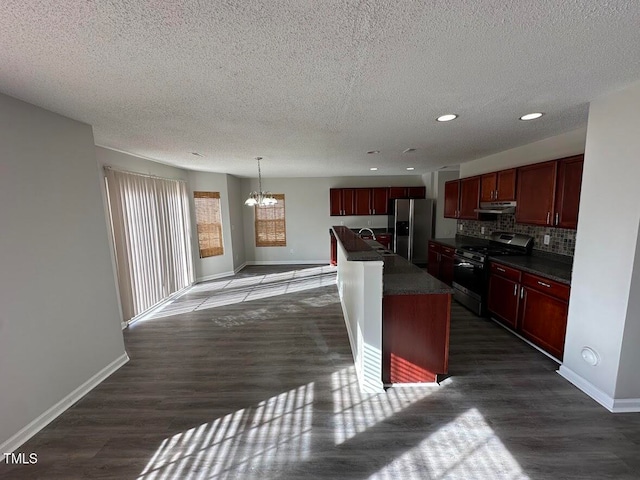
[506, 272]
[447, 250]
[555, 289]
[435, 247]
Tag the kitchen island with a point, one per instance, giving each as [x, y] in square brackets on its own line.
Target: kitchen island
[396, 314]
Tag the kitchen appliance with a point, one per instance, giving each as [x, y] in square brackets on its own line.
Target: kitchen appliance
[471, 262]
[499, 208]
[411, 221]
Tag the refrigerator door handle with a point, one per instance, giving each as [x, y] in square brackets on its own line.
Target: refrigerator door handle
[411, 221]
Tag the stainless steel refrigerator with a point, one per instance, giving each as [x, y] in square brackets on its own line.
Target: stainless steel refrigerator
[411, 222]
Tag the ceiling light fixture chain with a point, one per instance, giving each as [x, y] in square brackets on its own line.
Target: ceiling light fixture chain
[260, 197]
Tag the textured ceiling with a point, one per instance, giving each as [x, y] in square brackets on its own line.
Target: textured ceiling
[313, 85]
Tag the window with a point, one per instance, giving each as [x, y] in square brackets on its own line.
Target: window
[270, 224]
[209, 223]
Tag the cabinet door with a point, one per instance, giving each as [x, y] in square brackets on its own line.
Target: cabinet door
[446, 269]
[469, 198]
[363, 201]
[334, 250]
[397, 192]
[348, 201]
[451, 196]
[335, 201]
[568, 192]
[536, 193]
[503, 299]
[488, 184]
[506, 185]
[433, 260]
[416, 192]
[543, 320]
[385, 240]
[380, 201]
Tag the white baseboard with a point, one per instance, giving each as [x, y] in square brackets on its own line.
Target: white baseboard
[215, 276]
[620, 405]
[56, 410]
[237, 269]
[287, 262]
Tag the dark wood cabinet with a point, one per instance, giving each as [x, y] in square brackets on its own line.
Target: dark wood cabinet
[415, 337]
[363, 201]
[543, 316]
[380, 201]
[536, 193]
[384, 239]
[342, 201]
[504, 294]
[334, 249]
[407, 192]
[488, 187]
[451, 198]
[506, 185]
[440, 262]
[534, 306]
[469, 198]
[568, 188]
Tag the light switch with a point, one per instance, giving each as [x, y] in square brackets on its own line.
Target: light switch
[482, 230]
[547, 239]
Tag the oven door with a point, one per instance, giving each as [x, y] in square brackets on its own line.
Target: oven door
[469, 283]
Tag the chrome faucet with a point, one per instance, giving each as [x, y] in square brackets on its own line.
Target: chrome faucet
[373, 235]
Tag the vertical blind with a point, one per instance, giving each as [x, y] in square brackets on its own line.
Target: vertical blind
[270, 224]
[151, 233]
[208, 223]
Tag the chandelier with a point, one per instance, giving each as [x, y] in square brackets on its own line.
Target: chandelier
[260, 198]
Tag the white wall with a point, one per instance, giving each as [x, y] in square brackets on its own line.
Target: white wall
[307, 216]
[59, 314]
[219, 265]
[605, 256]
[564, 145]
[237, 210]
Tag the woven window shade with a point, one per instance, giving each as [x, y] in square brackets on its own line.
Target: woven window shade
[270, 224]
[209, 223]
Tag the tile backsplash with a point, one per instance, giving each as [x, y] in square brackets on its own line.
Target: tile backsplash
[563, 241]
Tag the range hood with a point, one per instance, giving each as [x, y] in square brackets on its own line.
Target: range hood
[496, 207]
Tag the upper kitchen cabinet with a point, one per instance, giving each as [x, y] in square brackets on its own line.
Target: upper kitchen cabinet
[342, 201]
[451, 198]
[380, 201]
[461, 198]
[363, 201]
[568, 192]
[498, 186]
[469, 198]
[536, 193]
[407, 192]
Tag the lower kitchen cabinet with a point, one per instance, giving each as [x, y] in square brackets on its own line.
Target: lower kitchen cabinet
[533, 306]
[334, 249]
[440, 262]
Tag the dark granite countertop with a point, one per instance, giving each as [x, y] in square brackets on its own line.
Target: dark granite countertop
[554, 267]
[399, 276]
[550, 265]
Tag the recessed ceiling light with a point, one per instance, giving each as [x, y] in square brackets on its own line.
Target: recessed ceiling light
[447, 118]
[373, 152]
[373, 169]
[408, 150]
[410, 168]
[531, 116]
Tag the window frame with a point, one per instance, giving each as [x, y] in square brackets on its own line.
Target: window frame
[210, 249]
[280, 206]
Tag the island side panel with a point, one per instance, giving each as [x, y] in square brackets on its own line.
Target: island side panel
[415, 343]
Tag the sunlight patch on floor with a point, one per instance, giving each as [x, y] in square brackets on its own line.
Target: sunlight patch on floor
[277, 431]
[356, 411]
[466, 447]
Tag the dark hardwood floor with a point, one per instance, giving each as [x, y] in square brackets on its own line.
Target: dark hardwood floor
[252, 377]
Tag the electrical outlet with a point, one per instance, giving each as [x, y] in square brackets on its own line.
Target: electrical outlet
[482, 230]
[460, 227]
[291, 251]
[368, 222]
[341, 222]
[547, 239]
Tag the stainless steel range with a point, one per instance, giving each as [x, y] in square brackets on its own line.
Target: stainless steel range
[471, 262]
